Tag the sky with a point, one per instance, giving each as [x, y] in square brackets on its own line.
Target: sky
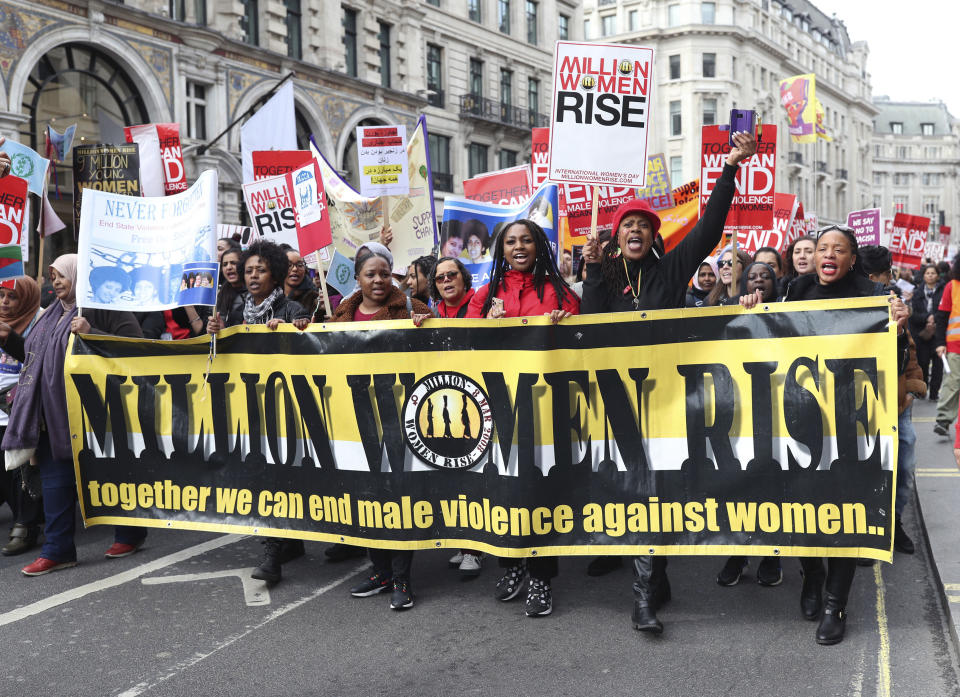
[913, 46]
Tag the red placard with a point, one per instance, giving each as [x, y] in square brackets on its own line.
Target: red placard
[909, 240]
[751, 213]
[310, 206]
[784, 213]
[577, 200]
[171, 155]
[276, 163]
[13, 206]
[506, 187]
[540, 155]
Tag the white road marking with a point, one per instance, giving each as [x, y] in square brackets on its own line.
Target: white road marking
[254, 592]
[113, 581]
[196, 658]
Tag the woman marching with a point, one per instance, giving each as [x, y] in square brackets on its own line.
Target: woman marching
[634, 273]
[834, 276]
[378, 299]
[524, 282]
[265, 267]
[38, 419]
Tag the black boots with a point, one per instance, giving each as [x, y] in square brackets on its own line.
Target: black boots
[901, 540]
[276, 552]
[651, 590]
[833, 623]
[645, 616]
[811, 594]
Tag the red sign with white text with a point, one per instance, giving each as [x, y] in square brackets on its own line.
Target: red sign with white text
[784, 213]
[171, 155]
[505, 187]
[276, 163]
[13, 210]
[540, 155]
[577, 200]
[909, 240]
[312, 217]
[751, 213]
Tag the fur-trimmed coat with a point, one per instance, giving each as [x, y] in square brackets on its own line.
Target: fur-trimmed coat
[395, 307]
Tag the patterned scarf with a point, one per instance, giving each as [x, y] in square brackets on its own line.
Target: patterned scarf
[262, 313]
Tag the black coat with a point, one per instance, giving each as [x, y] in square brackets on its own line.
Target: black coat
[284, 309]
[918, 303]
[663, 283]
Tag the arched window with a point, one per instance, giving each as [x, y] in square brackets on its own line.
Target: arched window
[78, 83]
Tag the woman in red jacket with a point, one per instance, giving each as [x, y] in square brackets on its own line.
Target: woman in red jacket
[525, 282]
[450, 287]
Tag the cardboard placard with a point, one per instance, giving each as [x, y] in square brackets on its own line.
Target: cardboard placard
[909, 239]
[382, 158]
[505, 187]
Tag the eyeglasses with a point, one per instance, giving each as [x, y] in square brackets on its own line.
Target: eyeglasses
[298, 265]
[448, 276]
[723, 263]
[829, 228]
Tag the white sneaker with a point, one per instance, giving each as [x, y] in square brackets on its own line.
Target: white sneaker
[455, 561]
[470, 566]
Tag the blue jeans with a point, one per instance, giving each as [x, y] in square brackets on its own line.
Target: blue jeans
[59, 485]
[906, 461]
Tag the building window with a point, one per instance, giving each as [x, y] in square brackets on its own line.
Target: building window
[709, 112]
[878, 151]
[196, 110]
[926, 129]
[903, 152]
[384, 37]
[200, 12]
[531, 22]
[563, 28]
[676, 124]
[435, 74]
[435, 3]
[178, 10]
[249, 22]
[878, 178]
[931, 153]
[608, 25]
[733, 67]
[440, 162]
[900, 179]
[709, 64]
[586, 29]
[930, 207]
[708, 12]
[931, 179]
[896, 128]
[294, 32]
[900, 204]
[507, 158]
[533, 99]
[675, 67]
[506, 87]
[634, 20]
[473, 11]
[676, 170]
[350, 40]
[477, 156]
[673, 15]
[503, 15]
[476, 77]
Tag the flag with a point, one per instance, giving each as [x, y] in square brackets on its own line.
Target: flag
[27, 164]
[151, 168]
[273, 127]
[49, 222]
[11, 261]
[60, 143]
[798, 96]
[821, 122]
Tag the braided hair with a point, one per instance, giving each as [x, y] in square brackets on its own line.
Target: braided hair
[612, 269]
[544, 267]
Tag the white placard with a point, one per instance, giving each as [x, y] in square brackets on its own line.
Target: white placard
[382, 157]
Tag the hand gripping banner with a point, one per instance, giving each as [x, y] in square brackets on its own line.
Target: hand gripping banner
[703, 431]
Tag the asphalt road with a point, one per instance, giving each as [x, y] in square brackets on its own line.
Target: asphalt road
[172, 620]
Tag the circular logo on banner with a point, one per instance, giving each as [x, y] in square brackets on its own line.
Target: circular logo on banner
[21, 166]
[447, 421]
[626, 67]
[588, 82]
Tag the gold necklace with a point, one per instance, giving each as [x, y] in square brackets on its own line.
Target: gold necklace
[636, 293]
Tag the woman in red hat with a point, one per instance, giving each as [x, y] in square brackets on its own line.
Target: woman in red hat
[634, 272]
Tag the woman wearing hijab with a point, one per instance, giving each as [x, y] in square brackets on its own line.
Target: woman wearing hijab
[703, 282]
[19, 309]
[38, 420]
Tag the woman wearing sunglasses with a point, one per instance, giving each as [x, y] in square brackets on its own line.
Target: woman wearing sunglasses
[724, 291]
[835, 275]
[450, 287]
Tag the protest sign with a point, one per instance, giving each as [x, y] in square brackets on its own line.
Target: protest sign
[540, 155]
[470, 227]
[751, 213]
[149, 254]
[111, 168]
[355, 219]
[27, 164]
[11, 261]
[382, 158]
[310, 208]
[866, 225]
[323, 444]
[270, 205]
[578, 208]
[340, 274]
[908, 240]
[275, 163]
[676, 222]
[505, 187]
[161, 157]
[272, 127]
[600, 116]
[14, 213]
[784, 214]
[798, 95]
[657, 190]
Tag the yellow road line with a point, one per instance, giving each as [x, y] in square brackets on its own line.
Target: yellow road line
[938, 474]
[951, 586]
[883, 655]
[924, 419]
[937, 469]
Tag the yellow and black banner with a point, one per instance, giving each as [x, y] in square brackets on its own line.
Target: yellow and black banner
[701, 431]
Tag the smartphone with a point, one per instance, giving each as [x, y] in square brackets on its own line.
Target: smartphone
[741, 120]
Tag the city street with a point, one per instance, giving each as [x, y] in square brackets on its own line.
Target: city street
[181, 617]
